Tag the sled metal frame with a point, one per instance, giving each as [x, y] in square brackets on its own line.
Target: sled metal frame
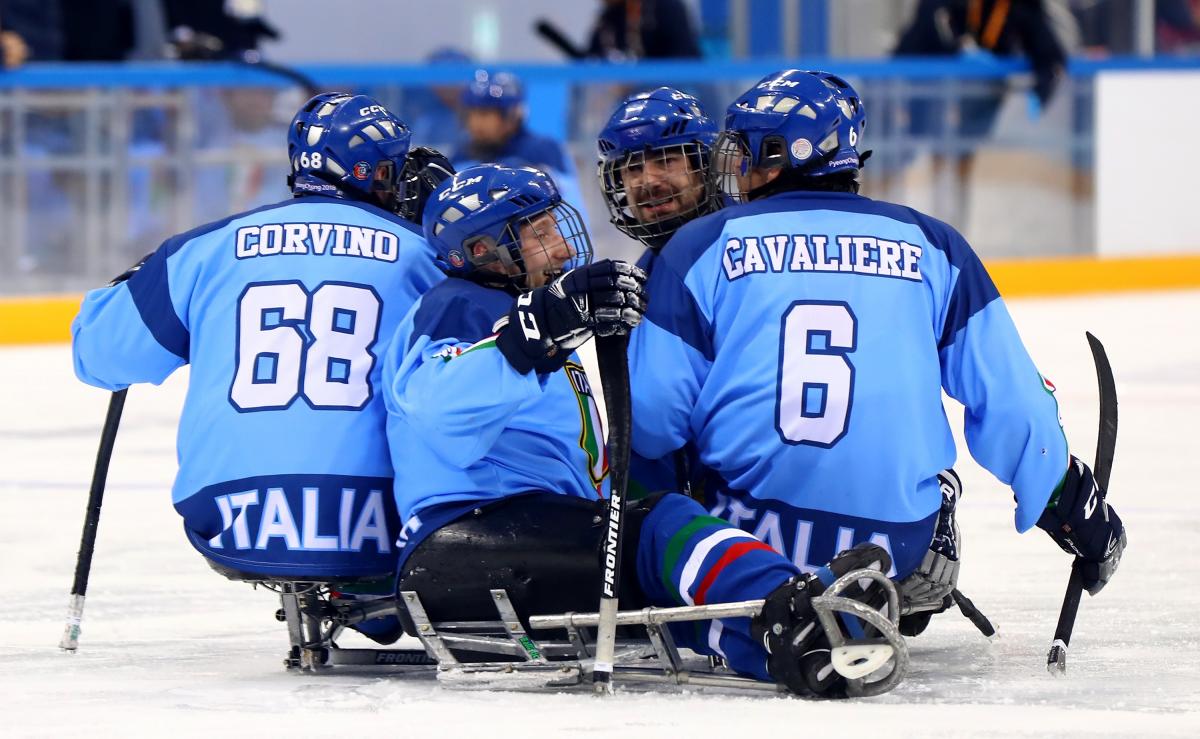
[511, 659]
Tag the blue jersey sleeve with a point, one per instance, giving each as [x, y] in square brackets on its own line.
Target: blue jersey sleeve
[1012, 422]
[447, 379]
[134, 331]
[670, 355]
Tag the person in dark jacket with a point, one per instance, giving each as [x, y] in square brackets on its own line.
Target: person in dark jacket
[643, 29]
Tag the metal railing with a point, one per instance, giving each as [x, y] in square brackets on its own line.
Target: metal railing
[100, 163]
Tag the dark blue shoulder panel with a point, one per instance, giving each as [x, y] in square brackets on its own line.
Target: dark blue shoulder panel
[973, 288]
[151, 290]
[460, 309]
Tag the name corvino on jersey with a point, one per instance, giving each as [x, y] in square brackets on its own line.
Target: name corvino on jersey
[335, 239]
[863, 255]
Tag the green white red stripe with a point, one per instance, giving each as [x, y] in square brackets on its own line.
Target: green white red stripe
[691, 569]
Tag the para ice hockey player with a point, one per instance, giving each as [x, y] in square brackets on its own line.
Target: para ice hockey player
[483, 387]
[654, 154]
[283, 314]
[802, 338]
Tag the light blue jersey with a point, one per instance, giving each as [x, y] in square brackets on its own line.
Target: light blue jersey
[284, 314]
[480, 430]
[802, 342]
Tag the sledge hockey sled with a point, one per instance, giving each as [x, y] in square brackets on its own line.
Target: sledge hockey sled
[503, 653]
[502, 597]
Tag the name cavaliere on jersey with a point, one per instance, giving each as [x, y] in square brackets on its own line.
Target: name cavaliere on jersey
[863, 255]
[336, 239]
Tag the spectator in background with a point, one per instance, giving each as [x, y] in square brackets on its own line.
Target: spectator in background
[210, 29]
[1002, 27]
[493, 113]
[97, 30]
[1005, 28]
[30, 30]
[1177, 26]
[643, 29]
[431, 111]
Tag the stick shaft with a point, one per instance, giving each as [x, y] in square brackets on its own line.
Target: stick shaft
[1106, 446]
[612, 356]
[91, 521]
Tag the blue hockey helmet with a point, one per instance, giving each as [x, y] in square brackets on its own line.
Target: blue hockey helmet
[854, 116]
[347, 146]
[500, 90]
[505, 226]
[654, 156]
[792, 119]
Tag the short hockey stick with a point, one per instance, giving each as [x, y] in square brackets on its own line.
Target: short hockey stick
[1106, 444]
[87, 545]
[612, 356]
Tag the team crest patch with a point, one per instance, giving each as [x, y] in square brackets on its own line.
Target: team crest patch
[456, 258]
[362, 171]
[802, 149]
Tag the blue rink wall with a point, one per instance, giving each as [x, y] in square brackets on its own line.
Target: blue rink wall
[100, 163]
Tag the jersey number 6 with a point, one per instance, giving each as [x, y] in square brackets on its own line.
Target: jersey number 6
[816, 378]
[294, 343]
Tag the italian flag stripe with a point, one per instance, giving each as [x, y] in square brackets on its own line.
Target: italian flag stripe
[488, 343]
[732, 553]
[696, 560]
[679, 541]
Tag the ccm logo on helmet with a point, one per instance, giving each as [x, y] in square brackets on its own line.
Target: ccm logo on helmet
[458, 185]
[372, 109]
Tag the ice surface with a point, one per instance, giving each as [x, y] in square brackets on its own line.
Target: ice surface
[169, 648]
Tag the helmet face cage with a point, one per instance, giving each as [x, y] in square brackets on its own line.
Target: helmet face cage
[547, 243]
[731, 166]
[417, 179]
[652, 177]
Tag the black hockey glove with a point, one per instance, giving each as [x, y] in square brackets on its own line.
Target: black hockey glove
[788, 628]
[424, 170]
[547, 323]
[130, 272]
[1083, 524]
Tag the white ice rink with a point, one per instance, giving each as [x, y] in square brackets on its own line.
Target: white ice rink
[169, 648]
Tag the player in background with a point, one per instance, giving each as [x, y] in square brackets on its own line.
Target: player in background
[482, 385]
[654, 153]
[283, 314]
[802, 338]
[493, 112]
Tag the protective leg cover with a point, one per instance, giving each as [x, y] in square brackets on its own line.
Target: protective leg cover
[687, 557]
[541, 548]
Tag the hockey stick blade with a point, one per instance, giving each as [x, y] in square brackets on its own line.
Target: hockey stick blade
[613, 358]
[1106, 446]
[91, 522]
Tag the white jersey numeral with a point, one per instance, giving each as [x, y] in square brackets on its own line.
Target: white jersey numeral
[816, 378]
[317, 346]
